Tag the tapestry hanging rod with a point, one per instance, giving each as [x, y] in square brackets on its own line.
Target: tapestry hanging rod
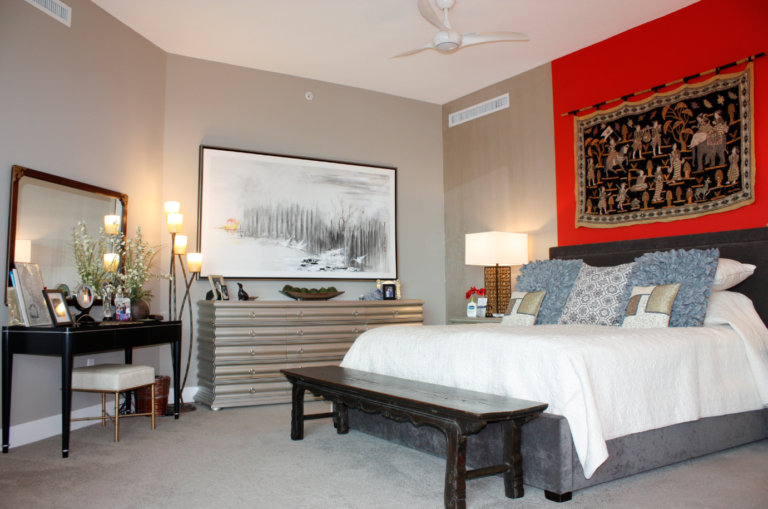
[716, 70]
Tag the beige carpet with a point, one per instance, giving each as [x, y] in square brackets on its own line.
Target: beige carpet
[244, 458]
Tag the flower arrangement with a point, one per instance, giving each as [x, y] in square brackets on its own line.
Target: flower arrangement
[473, 290]
[136, 255]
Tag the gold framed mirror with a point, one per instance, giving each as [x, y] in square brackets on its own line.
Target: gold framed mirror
[43, 210]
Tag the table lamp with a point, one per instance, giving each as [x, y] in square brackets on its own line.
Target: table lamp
[497, 251]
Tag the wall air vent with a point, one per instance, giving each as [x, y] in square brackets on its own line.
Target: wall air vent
[55, 9]
[478, 110]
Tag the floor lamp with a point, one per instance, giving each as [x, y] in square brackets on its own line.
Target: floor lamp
[194, 264]
[497, 251]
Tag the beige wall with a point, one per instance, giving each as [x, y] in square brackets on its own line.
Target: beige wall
[227, 106]
[86, 103]
[499, 176]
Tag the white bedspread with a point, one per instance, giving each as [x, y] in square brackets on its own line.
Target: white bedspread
[607, 381]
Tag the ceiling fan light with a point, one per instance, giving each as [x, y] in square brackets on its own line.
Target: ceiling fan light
[447, 47]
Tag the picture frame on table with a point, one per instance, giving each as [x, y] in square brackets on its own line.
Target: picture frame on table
[218, 287]
[270, 216]
[56, 303]
[390, 290]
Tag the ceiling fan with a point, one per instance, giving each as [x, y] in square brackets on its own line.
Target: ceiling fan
[448, 40]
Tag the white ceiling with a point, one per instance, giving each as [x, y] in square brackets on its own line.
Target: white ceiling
[350, 42]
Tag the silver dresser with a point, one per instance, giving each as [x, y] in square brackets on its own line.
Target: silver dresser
[242, 346]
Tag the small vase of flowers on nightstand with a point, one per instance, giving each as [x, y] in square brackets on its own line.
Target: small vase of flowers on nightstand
[473, 309]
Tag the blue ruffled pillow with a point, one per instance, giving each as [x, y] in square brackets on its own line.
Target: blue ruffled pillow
[556, 277]
[694, 269]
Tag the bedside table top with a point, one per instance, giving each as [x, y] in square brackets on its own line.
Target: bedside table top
[466, 319]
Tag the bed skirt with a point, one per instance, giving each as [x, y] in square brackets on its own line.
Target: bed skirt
[549, 458]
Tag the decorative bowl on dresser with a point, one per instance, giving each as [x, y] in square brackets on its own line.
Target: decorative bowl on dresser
[243, 345]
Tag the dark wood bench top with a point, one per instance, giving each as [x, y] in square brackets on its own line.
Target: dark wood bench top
[476, 406]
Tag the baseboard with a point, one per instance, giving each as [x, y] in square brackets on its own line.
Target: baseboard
[47, 427]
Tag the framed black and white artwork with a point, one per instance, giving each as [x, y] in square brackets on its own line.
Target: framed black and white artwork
[266, 216]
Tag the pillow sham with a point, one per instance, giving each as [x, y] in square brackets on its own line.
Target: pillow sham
[694, 269]
[596, 295]
[730, 273]
[650, 307]
[556, 277]
[523, 308]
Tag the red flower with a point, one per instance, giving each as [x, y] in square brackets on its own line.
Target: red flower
[481, 292]
[474, 290]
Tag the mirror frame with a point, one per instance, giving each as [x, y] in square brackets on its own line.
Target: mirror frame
[19, 172]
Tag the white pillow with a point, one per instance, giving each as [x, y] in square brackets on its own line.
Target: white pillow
[730, 273]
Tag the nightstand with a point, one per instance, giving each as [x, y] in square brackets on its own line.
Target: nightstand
[466, 319]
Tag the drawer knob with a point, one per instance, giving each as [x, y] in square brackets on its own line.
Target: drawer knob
[252, 352]
[253, 314]
[252, 333]
[252, 390]
[300, 350]
[396, 312]
[300, 332]
[354, 330]
[354, 313]
[252, 371]
[300, 314]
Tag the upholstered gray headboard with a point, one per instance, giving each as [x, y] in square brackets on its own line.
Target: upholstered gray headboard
[746, 246]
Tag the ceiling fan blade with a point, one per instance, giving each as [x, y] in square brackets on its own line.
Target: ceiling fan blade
[429, 45]
[482, 37]
[426, 10]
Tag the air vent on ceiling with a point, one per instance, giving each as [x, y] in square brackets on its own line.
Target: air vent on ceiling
[478, 110]
[55, 9]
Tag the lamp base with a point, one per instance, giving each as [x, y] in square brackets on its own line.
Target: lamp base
[183, 408]
[498, 298]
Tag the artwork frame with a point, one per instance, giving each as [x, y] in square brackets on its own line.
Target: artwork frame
[56, 303]
[383, 286]
[218, 287]
[280, 217]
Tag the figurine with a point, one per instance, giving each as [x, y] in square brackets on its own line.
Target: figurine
[106, 293]
[241, 294]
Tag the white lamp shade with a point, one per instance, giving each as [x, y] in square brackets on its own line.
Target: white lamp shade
[491, 248]
[23, 251]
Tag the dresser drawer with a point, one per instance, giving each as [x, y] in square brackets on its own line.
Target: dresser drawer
[254, 389]
[314, 364]
[226, 353]
[296, 350]
[393, 324]
[329, 314]
[223, 334]
[395, 313]
[312, 332]
[243, 313]
[249, 371]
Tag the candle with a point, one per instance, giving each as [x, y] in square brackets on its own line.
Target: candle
[180, 245]
[111, 261]
[194, 262]
[111, 225]
[171, 207]
[174, 223]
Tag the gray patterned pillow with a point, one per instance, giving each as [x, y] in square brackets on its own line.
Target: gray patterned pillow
[694, 269]
[596, 296]
[556, 277]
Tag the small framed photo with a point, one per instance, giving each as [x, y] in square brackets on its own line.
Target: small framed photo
[57, 307]
[122, 309]
[390, 290]
[219, 287]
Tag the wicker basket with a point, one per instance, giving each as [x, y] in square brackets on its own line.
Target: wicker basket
[144, 396]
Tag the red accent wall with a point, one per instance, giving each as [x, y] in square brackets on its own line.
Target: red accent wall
[694, 39]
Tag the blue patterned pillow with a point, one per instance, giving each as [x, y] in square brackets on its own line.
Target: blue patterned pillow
[694, 269]
[556, 277]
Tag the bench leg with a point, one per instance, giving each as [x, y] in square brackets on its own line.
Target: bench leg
[513, 477]
[456, 470]
[342, 419]
[297, 413]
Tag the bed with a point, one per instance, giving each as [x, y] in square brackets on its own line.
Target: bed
[549, 451]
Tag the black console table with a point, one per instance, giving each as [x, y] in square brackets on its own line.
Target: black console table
[66, 342]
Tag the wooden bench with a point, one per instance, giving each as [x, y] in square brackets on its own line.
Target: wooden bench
[456, 412]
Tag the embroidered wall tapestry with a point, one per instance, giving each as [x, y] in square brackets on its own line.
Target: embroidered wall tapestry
[675, 155]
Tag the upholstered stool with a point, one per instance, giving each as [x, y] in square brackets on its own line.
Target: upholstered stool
[115, 378]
